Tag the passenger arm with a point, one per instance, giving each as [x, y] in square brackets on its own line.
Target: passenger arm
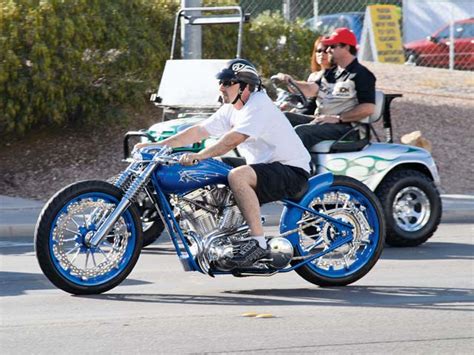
[357, 113]
[309, 88]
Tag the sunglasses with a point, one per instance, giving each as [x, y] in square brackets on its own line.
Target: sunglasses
[321, 50]
[332, 46]
[227, 83]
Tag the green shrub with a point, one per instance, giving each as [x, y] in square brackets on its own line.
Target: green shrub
[276, 45]
[77, 61]
[271, 43]
[71, 61]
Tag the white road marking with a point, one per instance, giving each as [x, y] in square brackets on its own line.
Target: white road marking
[14, 244]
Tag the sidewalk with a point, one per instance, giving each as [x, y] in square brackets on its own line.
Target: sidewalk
[18, 215]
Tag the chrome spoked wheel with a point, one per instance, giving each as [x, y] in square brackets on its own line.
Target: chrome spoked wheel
[63, 234]
[349, 201]
[411, 209]
[347, 206]
[343, 206]
[75, 225]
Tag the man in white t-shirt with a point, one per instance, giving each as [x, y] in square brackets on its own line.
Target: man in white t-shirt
[278, 163]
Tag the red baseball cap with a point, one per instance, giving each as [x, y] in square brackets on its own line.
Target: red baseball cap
[341, 35]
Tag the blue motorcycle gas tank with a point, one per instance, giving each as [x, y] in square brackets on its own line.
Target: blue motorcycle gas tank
[181, 179]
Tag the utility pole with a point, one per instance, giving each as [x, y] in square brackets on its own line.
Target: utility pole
[287, 10]
[191, 36]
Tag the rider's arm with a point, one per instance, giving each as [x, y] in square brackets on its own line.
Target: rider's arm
[188, 136]
[226, 143]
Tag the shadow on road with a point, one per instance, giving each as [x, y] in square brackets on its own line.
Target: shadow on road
[19, 283]
[428, 251]
[450, 299]
[431, 251]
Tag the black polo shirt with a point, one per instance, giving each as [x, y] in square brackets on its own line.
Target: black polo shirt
[341, 90]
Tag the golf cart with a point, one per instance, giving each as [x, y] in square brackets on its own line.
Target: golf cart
[404, 178]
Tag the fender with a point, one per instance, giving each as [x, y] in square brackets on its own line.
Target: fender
[290, 215]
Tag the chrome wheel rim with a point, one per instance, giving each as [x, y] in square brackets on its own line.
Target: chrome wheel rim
[316, 234]
[411, 209]
[73, 257]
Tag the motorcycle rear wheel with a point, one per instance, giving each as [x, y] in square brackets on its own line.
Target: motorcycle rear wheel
[352, 202]
[68, 219]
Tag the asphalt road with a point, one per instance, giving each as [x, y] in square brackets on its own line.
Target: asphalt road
[415, 300]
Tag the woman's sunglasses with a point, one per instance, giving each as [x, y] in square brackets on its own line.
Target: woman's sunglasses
[321, 50]
[227, 83]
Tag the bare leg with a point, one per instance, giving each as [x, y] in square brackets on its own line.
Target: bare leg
[243, 181]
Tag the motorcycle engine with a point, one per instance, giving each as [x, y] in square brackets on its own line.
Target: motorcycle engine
[215, 222]
[208, 210]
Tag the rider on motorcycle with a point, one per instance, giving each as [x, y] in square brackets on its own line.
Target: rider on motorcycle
[344, 94]
[278, 163]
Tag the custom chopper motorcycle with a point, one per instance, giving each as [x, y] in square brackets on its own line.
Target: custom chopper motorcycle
[405, 178]
[89, 235]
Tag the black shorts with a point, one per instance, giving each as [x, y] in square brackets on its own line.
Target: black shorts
[276, 181]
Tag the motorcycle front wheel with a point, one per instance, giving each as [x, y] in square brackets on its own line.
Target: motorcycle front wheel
[352, 202]
[64, 227]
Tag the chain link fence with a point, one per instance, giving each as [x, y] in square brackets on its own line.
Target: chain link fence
[435, 33]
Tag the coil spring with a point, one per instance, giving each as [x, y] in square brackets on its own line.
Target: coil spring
[125, 183]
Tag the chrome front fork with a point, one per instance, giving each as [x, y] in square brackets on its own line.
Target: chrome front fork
[124, 203]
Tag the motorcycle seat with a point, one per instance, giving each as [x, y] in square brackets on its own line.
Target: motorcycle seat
[363, 126]
[299, 195]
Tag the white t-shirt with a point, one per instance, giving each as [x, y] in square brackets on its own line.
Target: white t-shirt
[270, 135]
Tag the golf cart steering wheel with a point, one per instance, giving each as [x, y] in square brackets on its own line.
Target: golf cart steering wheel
[297, 91]
[297, 94]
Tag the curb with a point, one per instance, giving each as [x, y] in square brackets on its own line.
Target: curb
[18, 216]
[456, 209]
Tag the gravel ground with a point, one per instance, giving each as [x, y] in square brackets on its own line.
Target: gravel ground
[437, 102]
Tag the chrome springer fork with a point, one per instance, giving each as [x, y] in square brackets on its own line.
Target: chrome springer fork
[131, 192]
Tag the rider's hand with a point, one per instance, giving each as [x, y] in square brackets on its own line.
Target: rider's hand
[143, 145]
[189, 159]
[322, 119]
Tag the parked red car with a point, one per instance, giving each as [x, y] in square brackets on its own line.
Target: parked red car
[434, 51]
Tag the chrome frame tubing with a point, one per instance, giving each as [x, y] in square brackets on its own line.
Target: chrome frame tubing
[166, 214]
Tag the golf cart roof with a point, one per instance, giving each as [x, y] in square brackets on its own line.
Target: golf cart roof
[190, 83]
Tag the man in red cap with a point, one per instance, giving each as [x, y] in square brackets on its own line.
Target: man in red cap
[344, 95]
